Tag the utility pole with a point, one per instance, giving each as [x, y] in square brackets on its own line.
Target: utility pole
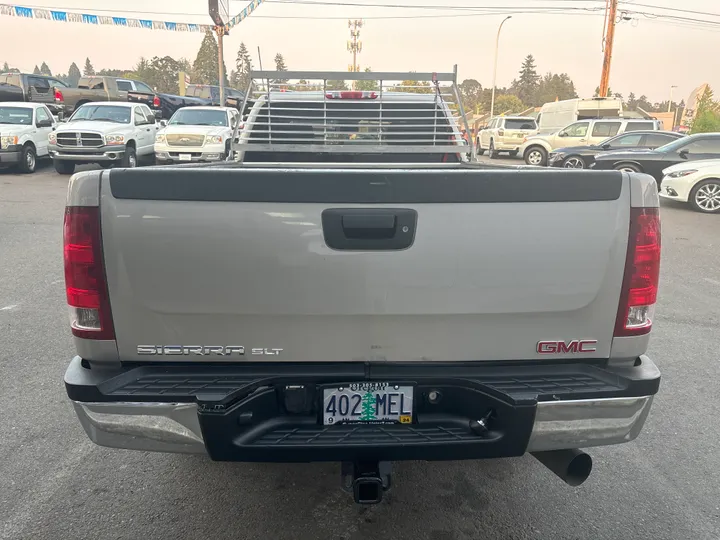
[672, 91]
[354, 45]
[497, 46]
[608, 39]
[220, 31]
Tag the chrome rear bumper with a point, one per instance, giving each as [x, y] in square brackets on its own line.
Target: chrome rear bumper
[174, 427]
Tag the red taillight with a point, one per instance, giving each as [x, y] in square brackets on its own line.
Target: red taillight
[58, 96]
[351, 95]
[85, 284]
[642, 274]
[156, 102]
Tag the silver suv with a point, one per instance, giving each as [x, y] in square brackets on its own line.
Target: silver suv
[535, 149]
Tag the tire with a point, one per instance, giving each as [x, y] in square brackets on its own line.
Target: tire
[28, 160]
[514, 153]
[574, 162]
[627, 167]
[106, 164]
[705, 196]
[64, 167]
[491, 151]
[480, 151]
[129, 160]
[536, 155]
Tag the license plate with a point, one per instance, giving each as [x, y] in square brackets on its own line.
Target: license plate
[369, 403]
[185, 157]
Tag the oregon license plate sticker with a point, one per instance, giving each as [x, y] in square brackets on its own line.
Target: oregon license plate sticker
[368, 402]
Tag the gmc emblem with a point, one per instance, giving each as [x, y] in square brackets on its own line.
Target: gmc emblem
[562, 347]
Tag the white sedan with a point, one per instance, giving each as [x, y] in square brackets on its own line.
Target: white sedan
[696, 182]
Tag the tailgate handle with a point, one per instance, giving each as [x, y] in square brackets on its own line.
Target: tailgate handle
[369, 225]
[369, 229]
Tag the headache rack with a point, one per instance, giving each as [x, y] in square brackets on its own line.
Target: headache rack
[315, 112]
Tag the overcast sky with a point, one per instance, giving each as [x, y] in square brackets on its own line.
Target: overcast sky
[650, 54]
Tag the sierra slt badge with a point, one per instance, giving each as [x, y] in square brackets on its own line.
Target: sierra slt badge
[563, 347]
[205, 350]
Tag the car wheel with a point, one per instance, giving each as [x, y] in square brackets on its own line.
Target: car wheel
[106, 164]
[536, 155]
[129, 160]
[480, 151]
[574, 162]
[28, 160]
[491, 151]
[64, 167]
[627, 167]
[705, 196]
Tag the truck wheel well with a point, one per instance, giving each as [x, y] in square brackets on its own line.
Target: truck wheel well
[30, 144]
[131, 143]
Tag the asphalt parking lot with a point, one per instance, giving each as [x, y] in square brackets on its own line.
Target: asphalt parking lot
[55, 484]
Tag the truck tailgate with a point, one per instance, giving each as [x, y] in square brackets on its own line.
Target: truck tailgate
[496, 261]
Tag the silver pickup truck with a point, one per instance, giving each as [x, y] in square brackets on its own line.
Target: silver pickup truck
[349, 287]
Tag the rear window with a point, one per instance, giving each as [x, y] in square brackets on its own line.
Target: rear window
[514, 123]
[637, 126]
[124, 86]
[350, 122]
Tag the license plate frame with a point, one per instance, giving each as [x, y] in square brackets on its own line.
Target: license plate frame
[185, 157]
[391, 403]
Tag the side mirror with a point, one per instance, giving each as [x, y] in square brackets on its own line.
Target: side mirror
[43, 123]
[163, 123]
[562, 134]
[606, 146]
[683, 153]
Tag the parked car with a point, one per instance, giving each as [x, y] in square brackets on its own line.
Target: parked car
[505, 134]
[555, 115]
[581, 157]
[113, 133]
[97, 88]
[24, 130]
[196, 134]
[653, 162]
[32, 89]
[233, 98]
[535, 149]
[165, 105]
[697, 182]
[332, 299]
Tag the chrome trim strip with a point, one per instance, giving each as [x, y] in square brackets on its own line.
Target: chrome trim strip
[155, 427]
[588, 422]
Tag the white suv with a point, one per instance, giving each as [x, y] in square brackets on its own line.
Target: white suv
[535, 149]
[505, 134]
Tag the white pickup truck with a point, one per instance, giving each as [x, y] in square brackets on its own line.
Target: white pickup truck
[24, 130]
[347, 288]
[109, 133]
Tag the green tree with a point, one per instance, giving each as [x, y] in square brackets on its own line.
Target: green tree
[205, 67]
[36, 71]
[414, 87]
[707, 114]
[45, 70]
[336, 85]
[243, 67]
[280, 66]
[112, 72]
[367, 86]
[6, 68]
[631, 102]
[368, 407]
[528, 83]
[508, 104]
[89, 70]
[597, 91]
[554, 86]
[73, 74]
[471, 94]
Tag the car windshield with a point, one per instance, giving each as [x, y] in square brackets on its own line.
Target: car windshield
[19, 116]
[102, 113]
[199, 117]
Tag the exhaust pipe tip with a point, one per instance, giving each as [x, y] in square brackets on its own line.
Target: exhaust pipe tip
[572, 466]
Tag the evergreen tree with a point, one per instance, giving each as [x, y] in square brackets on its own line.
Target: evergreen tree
[45, 70]
[336, 85]
[6, 68]
[73, 74]
[89, 69]
[527, 85]
[632, 102]
[280, 66]
[36, 71]
[367, 86]
[243, 67]
[205, 67]
[368, 407]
